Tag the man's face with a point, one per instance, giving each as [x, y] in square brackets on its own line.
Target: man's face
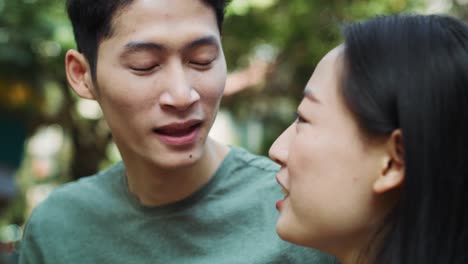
[160, 79]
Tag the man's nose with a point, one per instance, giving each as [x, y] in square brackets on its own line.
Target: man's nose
[179, 93]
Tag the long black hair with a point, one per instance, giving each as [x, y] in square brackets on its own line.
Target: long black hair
[410, 72]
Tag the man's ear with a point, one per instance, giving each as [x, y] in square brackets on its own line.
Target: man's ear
[79, 75]
[393, 167]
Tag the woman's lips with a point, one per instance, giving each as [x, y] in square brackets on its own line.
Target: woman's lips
[179, 134]
[280, 203]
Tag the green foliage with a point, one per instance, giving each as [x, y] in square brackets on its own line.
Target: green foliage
[301, 31]
[293, 35]
[460, 9]
[31, 50]
[34, 36]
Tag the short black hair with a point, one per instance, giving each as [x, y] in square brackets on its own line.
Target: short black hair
[92, 22]
[410, 72]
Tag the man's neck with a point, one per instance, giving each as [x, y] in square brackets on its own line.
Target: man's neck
[156, 187]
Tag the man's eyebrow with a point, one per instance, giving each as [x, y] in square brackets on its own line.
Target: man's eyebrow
[311, 96]
[142, 46]
[150, 46]
[207, 40]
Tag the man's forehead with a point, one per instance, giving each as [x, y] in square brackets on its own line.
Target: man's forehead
[166, 16]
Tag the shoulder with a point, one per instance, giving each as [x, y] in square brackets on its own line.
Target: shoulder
[71, 210]
[242, 158]
[71, 200]
[87, 188]
[243, 168]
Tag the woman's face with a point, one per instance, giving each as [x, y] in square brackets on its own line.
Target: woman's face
[327, 169]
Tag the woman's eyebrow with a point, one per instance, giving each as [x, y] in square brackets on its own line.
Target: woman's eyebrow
[311, 96]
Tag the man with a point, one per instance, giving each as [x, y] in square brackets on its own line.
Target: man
[157, 69]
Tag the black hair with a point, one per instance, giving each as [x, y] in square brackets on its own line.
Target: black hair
[410, 72]
[92, 22]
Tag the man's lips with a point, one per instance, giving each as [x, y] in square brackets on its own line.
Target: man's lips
[177, 129]
[179, 133]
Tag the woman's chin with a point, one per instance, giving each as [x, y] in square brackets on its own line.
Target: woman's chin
[287, 233]
[283, 230]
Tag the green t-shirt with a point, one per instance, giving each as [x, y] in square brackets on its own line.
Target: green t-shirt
[229, 220]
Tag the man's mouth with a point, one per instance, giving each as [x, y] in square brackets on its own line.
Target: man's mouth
[178, 129]
[181, 133]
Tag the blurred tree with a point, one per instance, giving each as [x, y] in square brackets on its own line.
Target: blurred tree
[34, 36]
[290, 35]
[460, 8]
[295, 34]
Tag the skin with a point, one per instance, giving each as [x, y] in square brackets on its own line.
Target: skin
[338, 186]
[163, 64]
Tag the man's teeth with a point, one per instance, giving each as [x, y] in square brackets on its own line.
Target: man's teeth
[286, 193]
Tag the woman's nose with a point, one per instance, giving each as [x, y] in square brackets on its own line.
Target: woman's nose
[279, 151]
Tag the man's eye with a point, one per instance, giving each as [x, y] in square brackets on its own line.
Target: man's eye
[144, 69]
[202, 63]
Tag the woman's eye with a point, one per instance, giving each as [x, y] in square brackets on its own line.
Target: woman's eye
[299, 118]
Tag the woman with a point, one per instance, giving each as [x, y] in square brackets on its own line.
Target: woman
[375, 167]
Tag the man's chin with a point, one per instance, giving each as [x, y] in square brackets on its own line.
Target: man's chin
[175, 161]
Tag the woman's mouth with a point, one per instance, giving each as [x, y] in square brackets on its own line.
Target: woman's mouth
[280, 203]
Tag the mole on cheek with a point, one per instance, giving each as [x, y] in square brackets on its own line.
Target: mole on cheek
[190, 156]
